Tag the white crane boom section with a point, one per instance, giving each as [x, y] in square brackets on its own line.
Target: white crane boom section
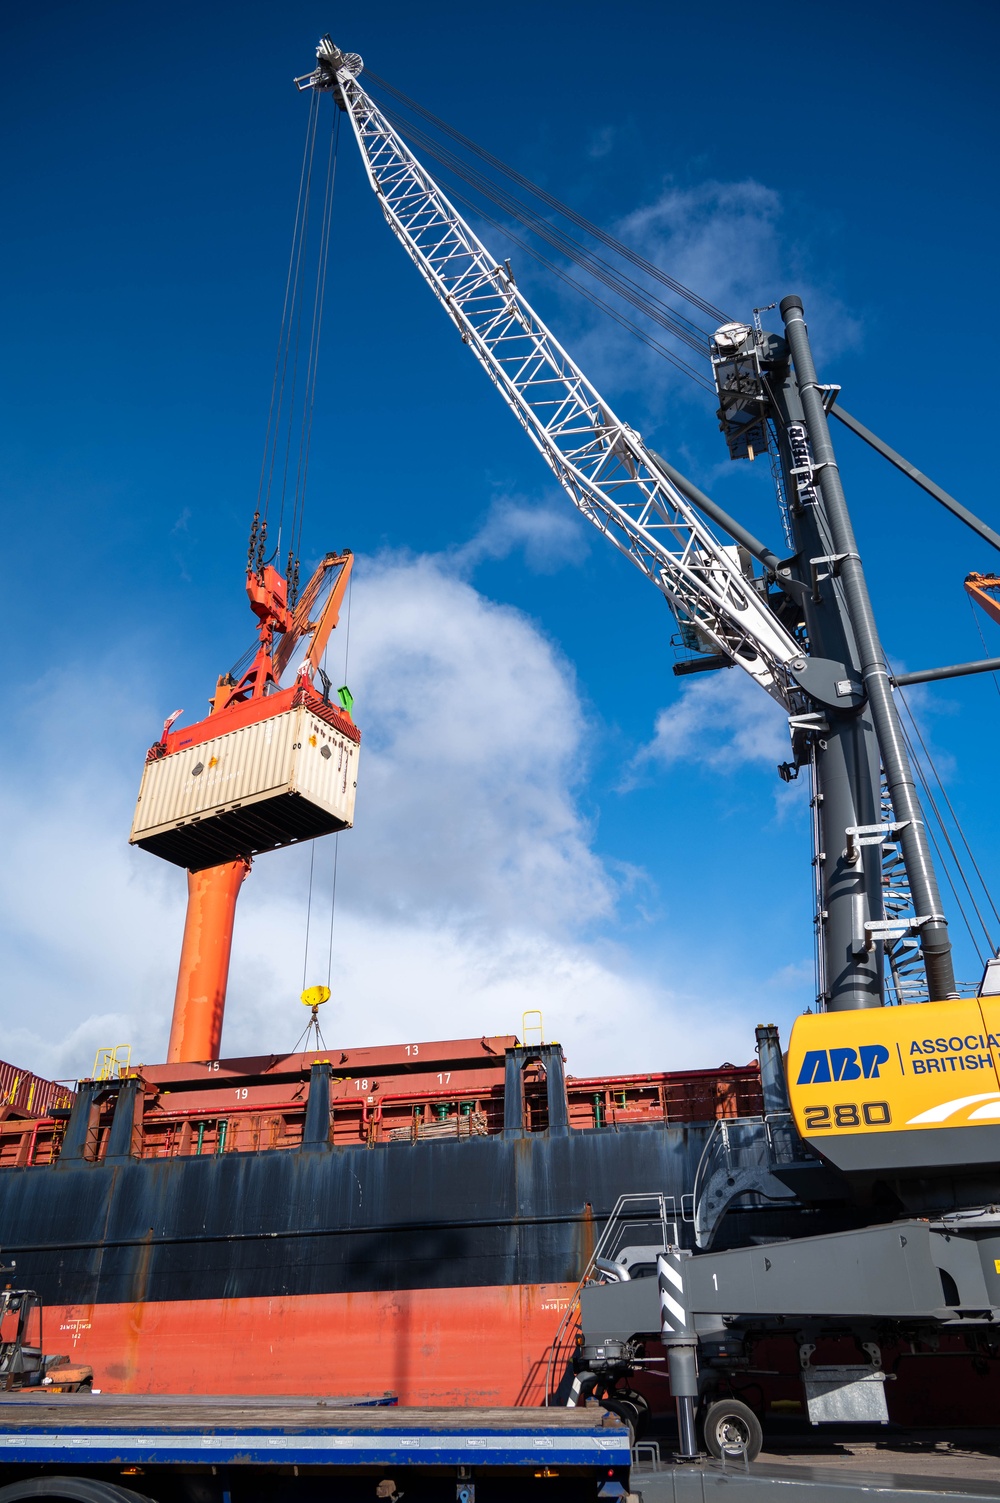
[602, 464]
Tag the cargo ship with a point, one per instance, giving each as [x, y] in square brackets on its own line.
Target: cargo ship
[415, 1218]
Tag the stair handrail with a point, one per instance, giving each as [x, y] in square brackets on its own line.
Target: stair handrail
[600, 1246]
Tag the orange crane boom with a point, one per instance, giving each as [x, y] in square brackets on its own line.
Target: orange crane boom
[985, 591]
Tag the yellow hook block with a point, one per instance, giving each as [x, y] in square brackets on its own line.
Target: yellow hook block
[315, 996]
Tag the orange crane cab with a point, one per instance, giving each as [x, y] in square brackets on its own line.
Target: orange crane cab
[269, 766]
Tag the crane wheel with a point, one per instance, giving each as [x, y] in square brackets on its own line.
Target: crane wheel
[730, 1428]
[629, 1406]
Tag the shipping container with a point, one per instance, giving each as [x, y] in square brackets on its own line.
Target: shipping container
[285, 777]
[23, 1094]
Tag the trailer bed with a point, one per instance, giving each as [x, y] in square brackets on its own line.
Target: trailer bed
[103, 1430]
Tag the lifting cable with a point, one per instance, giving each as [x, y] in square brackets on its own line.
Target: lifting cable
[919, 758]
[637, 260]
[336, 838]
[598, 302]
[312, 364]
[979, 628]
[671, 318]
[291, 297]
[293, 387]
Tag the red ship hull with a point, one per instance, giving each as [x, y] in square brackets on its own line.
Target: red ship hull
[479, 1347]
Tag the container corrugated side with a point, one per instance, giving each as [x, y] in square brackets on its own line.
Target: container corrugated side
[31, 1094]
[326, 767]
[239, 767]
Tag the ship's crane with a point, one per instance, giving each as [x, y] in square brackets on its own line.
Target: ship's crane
[267, 767]
[984, 589]
[829, 670]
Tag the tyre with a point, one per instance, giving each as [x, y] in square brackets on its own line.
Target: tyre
[631, 1407]
[69, 1490]
[731, 1428]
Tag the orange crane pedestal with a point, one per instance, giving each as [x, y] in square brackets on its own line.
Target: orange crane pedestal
[200, 999]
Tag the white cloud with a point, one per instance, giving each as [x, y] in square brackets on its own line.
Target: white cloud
[718, 238]
[471, 759]
[469, 892]
[722, 721]
[547, 534]
[394, 981]
[736, 244]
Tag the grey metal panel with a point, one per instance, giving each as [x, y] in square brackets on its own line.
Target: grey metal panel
[891, 1271]
[888, 1271]
[842, 1395]
[614, 1312]
[910, 1152]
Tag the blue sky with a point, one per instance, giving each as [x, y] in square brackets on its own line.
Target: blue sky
[594, 838]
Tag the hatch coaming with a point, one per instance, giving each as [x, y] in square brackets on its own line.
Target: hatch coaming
[424, 1091]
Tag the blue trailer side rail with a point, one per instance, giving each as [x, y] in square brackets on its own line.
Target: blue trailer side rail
[76, 1435]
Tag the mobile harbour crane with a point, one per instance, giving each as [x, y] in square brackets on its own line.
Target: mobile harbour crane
[895, 1112]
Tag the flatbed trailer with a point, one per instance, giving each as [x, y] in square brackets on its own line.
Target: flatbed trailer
[109, 1449]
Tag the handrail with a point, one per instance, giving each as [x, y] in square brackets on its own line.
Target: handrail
[603, 1242]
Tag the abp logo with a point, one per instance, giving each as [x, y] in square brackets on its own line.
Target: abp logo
[821, 1066]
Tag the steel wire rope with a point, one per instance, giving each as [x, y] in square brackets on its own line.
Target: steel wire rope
[294, 307]
[937, 813]
[654, 307]
[986, 651]
[598, 302]
[573, 248]
[957, 823]
[336, 838]
[333, 908]
[319, 298]
[295, 357]
[626, 251]
[309, 902]
[925, 788]
[302, 470]
[313, 109]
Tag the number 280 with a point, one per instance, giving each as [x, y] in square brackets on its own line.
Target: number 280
[871, 1113]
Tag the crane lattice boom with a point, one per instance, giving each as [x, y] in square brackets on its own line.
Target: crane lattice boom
[602, 463]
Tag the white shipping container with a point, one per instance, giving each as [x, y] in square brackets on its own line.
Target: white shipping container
[289, 777]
